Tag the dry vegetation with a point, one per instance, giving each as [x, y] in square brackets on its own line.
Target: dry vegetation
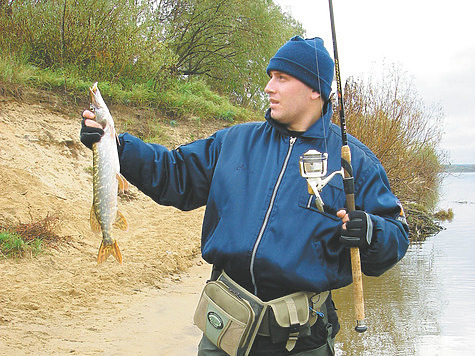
[25, 239]
[392, 120]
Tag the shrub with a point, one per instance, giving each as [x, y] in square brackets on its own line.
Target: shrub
[392, 120]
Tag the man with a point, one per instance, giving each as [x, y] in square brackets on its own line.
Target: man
[261, 225]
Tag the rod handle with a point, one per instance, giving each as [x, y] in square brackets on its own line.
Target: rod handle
[358, 296]
[358, 289]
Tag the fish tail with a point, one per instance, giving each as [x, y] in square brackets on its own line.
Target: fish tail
[107, 250]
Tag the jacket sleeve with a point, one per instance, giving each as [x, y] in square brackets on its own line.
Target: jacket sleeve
[390, 230]
[179, 177]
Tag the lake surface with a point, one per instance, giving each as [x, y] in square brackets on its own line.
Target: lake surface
[425, 305]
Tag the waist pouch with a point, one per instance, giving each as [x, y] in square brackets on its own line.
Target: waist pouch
[231, 317]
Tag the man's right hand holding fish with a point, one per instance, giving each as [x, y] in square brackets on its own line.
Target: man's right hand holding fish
[91, 131]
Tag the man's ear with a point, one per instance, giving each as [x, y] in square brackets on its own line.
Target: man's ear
[315, 95]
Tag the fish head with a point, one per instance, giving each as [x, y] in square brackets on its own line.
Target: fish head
[99, 107]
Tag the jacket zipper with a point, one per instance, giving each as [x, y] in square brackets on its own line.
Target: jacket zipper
[269, 209]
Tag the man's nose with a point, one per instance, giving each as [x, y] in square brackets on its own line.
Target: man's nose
[269, 88]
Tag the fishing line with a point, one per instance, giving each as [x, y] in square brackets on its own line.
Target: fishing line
[320, 92]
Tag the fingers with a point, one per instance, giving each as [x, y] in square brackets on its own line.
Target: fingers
[87, 114]
[92, 123]
[89, 117]
[343, 215]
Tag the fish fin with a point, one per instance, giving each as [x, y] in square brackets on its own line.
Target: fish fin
[107, 250]
[95, 225]
[123, 184]
[120, 222]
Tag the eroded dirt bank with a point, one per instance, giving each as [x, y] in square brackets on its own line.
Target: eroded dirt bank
[61, 302]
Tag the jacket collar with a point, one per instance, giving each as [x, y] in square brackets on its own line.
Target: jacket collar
[318, 130]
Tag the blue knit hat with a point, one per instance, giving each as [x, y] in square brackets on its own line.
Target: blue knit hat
[308, 61]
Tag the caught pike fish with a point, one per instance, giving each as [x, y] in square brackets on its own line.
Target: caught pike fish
[107, 181]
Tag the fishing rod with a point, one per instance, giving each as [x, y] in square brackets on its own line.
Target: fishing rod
[349, 186]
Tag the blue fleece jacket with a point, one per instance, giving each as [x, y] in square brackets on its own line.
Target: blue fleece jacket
[261, 225]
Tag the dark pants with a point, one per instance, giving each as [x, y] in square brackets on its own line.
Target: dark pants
[206, 348]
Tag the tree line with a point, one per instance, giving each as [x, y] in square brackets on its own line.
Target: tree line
[226, 43]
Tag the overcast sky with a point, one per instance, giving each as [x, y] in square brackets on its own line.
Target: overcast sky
[433, 41]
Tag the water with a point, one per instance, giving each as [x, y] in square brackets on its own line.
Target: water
[425, 305]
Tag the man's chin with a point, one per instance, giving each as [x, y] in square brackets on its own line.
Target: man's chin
[275, 114]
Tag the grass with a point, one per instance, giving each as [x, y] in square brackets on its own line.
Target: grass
[12, 245]
[29, 239]
[178, 99]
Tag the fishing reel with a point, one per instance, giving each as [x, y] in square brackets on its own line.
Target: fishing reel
[313, 167]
